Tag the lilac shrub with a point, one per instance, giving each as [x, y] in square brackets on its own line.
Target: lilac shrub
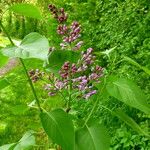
[79, 77]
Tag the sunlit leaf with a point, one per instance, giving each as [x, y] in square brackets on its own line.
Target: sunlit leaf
[33, 45]
[28, 10]
[8, 146]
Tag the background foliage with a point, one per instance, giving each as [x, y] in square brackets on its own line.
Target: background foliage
[120, 28]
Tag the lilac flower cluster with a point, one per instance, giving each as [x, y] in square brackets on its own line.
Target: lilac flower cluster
[69, 34]
[82, 75]
[70, 72]
[67, 70]
[73, 34]
[54, 87]
[86, 60]
[58, 14]
[35, 75]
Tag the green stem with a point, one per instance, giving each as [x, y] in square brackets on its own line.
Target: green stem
[89, 116]
[31, 85]
[3, 28]
[25, 69]
[95, 104]
[70, 86]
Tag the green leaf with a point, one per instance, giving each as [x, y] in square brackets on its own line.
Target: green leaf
[129, 121]
[92, 137]
[33, 45]
[3, 83]
[26, 142]
[131, 61]
[27, 10]
[8, 146]
[129, 93]
[58, 57]
[59, 128]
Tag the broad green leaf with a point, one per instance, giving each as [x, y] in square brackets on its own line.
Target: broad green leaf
[131, 61]
[26, 142]
[33, 45]
[129, 121]
[3, 60]
[3, 83]
[59, 128]
[8, 146]
[4, 41]
[129, 93]
[58, 57]
[27, 10]
[92, 137]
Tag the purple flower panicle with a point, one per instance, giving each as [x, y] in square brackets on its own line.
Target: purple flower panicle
[70, 34]
[82, 83]
[58, 14]
[35, 75]
[85, 72]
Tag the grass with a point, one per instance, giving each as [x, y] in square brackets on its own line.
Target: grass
[15, 116]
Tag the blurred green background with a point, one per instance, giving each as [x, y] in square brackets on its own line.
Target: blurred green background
[121, 25]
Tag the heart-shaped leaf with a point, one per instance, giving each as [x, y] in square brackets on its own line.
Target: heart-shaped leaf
[8, 146]
[59, 127]
[129, 93]
[92, 137]
[33, 45]
[58, 57]
[26, 142]
[28, 10]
